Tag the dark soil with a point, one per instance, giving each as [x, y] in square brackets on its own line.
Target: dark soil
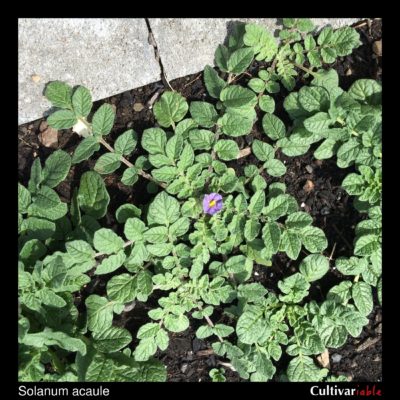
[315, 184]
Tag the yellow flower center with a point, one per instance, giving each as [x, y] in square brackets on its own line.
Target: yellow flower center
[212, 203]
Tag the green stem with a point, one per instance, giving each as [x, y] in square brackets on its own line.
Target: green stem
[314, 74]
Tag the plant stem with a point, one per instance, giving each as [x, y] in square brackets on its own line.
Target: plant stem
[305, 69]
[209, 322]
[123, 159]
[129, 164]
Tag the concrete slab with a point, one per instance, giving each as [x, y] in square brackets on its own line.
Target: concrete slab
[108, 56]
[186, 45]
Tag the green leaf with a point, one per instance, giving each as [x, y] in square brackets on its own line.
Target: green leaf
[79, 250]
[362, 296]
[345, 40]
[103, 120]
[39, 228]
[305, 25]
[293, 148]
[145, 349]
[213, 82]
[235, 96]
[154, 140]
[298, 220]
[223, 330]
[204, 331]
[271, 234]
[309, 42]
[144, 285]
[179, 227]
[203, 113]
[366, 90]
[314, 267]
[236, 264]
[130, 176]
[134, 229]
[257, 203]
[314, 98]
[111, 339]
[107, 241]
[314, 58]
[93, 197]
[31, 251]
[318, 123]
[62, 119]
[164, 210]
[267, 104]
[303, 369]
[82, 101]
[99, 313]
[273, 127]
[122, 288]
[85, 149]
[201, 139]
[251, 326]
[158, 234]
[379, 289]
[165, 174]
[176, 323]
[354, 322]
[340, 293]
[108, 163]
[126, 142]
[171, 108]
[221, 57]
[226, 149]
[148, 330]
[240, 60]
[263, 151]
[46, 198]
[235, 124]
[49, 298]
[56, 168]
[325, 150]
[366, 245]
[24, 199]
[329, 79]
[110, 264]
[48, 337]
[174, 147]
[275, 167]
[59, 93]
[262, 42]
[160, 249]
[277, 206]
[251, 229]
[314, 239]
[127, 211]
[348, 151]
[256, 84]
[291, 243]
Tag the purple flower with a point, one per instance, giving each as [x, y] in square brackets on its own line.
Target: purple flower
[212, 203]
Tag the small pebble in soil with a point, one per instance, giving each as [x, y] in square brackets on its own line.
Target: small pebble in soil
[325, 211]
[138, 107]
[309, 169]
[184, 368]
[336, 358]
[256, 273]
[197, 345]
[377, 47]
[36, 78]
[302, 205]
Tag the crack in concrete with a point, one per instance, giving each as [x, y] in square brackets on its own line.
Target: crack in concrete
[152, 42]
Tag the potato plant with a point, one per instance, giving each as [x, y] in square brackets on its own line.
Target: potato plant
[194, 246]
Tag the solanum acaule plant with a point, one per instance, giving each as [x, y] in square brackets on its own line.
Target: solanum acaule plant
[193, 248]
